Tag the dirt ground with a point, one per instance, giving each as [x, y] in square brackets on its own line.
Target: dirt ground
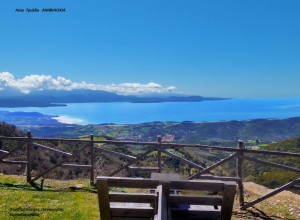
[285, 205]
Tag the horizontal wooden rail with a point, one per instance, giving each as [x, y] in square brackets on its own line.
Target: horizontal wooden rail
[182, 159]
[75, 165]
[14, 138]
[151, 169]
[162, 145]
[295, 187]
[221, 178]
[103, 150]
[4, 152]
[272, 164]
[13, 161]
[51, 149]
[266, 152]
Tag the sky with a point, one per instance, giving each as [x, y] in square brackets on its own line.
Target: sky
[212, 48]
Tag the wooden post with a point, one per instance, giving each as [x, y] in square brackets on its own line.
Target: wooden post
[28, 149]
[228, 200]
[162, 209]
[103, 199]
[240, 173]
[159, 140]
[92, 159]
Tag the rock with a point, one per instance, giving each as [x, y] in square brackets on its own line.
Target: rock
[79, 186]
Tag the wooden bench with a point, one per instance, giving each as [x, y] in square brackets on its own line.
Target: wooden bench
[162, 205]
[190, 205]
[116, 206]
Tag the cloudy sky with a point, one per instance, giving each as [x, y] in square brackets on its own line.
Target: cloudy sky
[31, 83]
[204, 47]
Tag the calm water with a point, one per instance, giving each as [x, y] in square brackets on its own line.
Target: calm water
[131, 113]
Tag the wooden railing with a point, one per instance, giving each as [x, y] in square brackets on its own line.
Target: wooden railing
[237, 153]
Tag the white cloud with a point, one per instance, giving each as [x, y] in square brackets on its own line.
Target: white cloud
[47, 82]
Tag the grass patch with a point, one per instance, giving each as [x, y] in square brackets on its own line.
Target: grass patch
[58, 200]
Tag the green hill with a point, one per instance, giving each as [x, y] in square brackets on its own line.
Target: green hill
[216, 133]
[270, 176]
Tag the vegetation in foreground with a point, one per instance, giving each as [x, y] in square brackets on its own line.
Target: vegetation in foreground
[58, 200]
[76, 199]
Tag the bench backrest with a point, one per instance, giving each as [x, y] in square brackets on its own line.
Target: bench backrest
[164, 205]
[143, 205]
[216, 204]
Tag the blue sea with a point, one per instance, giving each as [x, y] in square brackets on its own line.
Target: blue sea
[207, 111]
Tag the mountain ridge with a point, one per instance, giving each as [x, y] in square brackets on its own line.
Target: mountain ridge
[48, 98]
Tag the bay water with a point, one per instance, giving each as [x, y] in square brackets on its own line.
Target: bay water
[206, 111]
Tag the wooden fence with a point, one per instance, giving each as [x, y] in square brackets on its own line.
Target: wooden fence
[237, 153]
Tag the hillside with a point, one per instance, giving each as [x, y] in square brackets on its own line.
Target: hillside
[274, 177]
[28, 118]
[9, 130]
[77, 200]
[216, 133]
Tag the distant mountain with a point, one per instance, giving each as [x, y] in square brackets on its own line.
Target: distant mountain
[47, 98]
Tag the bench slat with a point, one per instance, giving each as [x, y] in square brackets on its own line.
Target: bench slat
[178, 214]
[196, 200]
[132, 212]
[130, 182]
[132, 197]
[201, 185]
[130, 218]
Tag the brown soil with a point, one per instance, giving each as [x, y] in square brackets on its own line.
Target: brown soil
[285, 205]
